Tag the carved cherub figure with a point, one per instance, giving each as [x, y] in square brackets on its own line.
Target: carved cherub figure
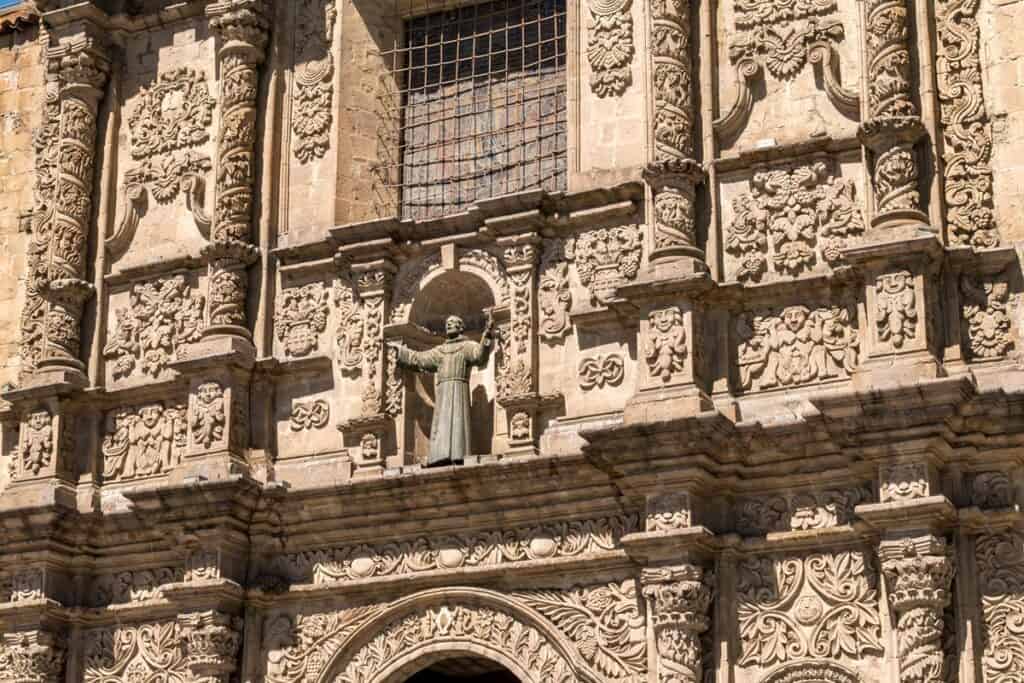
[152, 441]
[897, 313]
[666, 344]
[37, 444]
[208, 415]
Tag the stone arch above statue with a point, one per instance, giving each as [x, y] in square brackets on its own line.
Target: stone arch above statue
[453, 622]
[812, 671]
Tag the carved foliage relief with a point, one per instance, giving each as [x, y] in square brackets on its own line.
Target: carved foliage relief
[800, 511]
[314, 78]
[1000, 561]
[610, 46]
[348, 334]
[601, 370]
[673, 80]
[796, 345]
[161, 317]
[791, 222]
[135, 652]
[299, 649]
[822, 605]
[301, 318]
[144, 441]
[781, 33]
[606, 258]
[986, 316]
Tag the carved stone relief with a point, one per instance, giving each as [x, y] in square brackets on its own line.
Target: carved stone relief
[161, 317]
[668, 511]
[665, 348]
[610, 46]
[301, 318]
[904, 481]
[314, 78]
[559, 539]
[308, 415]
[780, 34]
[144, 441]
[601, 370]
[966, 126]
[793, 220]
[298, 648]
[22, 586]
[796, 345]
[349, 329]
[36, 443]
[414, 273]
[32, 656]
[986, 316]
[896, 304]
[211, 641]
[554, 298]
[1000, 561]
[800, 511]
[679, 598]
[992, 490]
[606, 258]
[208, 416]
[132, 586]
[141, 652]
[821, 605]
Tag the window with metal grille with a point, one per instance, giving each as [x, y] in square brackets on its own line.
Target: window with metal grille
[481, 105]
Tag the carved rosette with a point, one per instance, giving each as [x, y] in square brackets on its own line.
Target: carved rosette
[32, 657]
[679, 598]
[241, 26]
[610, 46]
[58, 255]
[210, 642]
[674, 174]
[919, 572]
[893, 126]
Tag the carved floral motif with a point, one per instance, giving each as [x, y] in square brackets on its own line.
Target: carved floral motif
[985, 310]
[673, 80]
[144, 441]
[1000, 561]
[161, 317]
[606, 258]
[665, 349]
[822, 605]
[896, 307]
[992, 490]
[796, 345]
[142, 652]
[299, 649]
[794, 219]
[610, 46]
[314, 78]
[32, 657]
[560, 539]
[172, 113]
[782, 33]
[799, 511]
[679, 599]
[310, 415]
[211, 641]
[301, 317]
[208, 415]
[601, 370]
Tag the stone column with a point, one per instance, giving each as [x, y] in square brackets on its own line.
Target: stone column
[674, 173]
[211, 642]
[83, 68]
[919, 572]
[33, 656]
[241, 26]
[678, 599]
[893, 125]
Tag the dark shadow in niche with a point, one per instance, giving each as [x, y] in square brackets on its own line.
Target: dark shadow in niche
[464, 670]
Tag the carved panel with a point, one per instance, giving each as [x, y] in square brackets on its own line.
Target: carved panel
[310, 415]
[610, 46]
[21, 586]
[796, 345]
[135, 652]
[298, 649]
[143, 441]
[606, 258]
[160, 318]
[131, 586]
[822, 605]
[554, 298]
[172, 113]
[781, 33]
[300, 319]
[793, 221]
[800, 511]
[601, 370]
[986, 317]
[312, 113]
[36, 443]
[904, 481]
[1000, 558]
[896, 304]
[349, 329]
[208, 416]
[992, 490]
[665, 348]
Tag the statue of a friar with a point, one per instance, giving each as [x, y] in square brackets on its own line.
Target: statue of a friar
[452, 363]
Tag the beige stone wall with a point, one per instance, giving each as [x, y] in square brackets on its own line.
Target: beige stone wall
[21, 93]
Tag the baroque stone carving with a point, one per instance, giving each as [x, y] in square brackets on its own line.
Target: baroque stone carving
[32, 657]
[554, 297]
[144, 441]
[208, 415]
[314, 78]
[665, 349]
[22, 586]
[298, 649]
[796, 345]
[800, 511]
[668, 511]
[821, 605]
[679, 598]
[210, 641]
[301, 317]
[349, 329]
[36, 442]
[601, 370]
[985, 310]
[605, 259]
[1000, 561]
[992, 490]
[780, 34]
[793, 218]
[161, 317]
[149, 651]
[919, 572]
[966, 126]
[896, 307]
[310, 415]
[489, 548]
[904, 481]
[132, 586]
[172, 113]
[610, 46]
[673, 81]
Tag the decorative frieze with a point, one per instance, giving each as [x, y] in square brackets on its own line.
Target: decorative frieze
[986, 317]
[132, 586]
[820, 605]
[678, 599]
[610, 46]
[144, 441]
[781, 34]
[308, 415]
[312, 101]
[793, 220]
[1000, 562]
[450, 552]
[601, 370]
[161, 317]
[799, 511]
[146, 651]
[796, 345]
[300, 319]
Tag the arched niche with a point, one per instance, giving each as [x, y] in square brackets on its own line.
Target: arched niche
[812, 671]
[417, 274]
[456, 622]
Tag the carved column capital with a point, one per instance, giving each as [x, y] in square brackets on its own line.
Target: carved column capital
[211, 641]
[679, 598]
[243, 26]
[33, 656]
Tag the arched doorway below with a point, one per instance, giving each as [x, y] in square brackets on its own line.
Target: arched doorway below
[464, 670]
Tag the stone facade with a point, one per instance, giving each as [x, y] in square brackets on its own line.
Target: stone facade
[754, 409]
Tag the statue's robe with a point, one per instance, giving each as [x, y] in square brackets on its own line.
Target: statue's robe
[451, 363]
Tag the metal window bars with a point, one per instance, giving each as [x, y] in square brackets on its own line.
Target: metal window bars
[475, 106]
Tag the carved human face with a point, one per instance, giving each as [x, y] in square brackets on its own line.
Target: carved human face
[794, 318]
[39, 419]
[209, 392]
[454, 326]
[893, 283]
[150, 415]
